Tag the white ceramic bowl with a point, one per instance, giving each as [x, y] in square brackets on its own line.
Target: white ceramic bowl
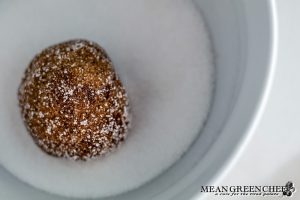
[243, 34]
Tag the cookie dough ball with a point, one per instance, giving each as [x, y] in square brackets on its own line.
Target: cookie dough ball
[72, 102]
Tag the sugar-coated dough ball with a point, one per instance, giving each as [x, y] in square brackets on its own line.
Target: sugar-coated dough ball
[72, 102]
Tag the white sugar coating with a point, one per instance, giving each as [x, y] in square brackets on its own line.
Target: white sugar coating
[162, 53]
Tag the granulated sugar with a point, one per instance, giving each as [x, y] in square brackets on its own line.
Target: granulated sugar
[160, 50]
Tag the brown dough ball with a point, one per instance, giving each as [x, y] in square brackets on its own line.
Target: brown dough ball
[72, 102]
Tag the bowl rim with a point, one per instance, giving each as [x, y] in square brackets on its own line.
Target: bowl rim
[254, 117]
[257, 114]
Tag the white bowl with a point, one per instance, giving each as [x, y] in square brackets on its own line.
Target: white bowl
[243, 34]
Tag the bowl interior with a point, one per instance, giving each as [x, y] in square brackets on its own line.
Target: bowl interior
[237, 28]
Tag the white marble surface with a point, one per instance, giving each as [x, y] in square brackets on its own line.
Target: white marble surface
[272, 157]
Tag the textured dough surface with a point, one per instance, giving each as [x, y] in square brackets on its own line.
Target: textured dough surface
[72, 101]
